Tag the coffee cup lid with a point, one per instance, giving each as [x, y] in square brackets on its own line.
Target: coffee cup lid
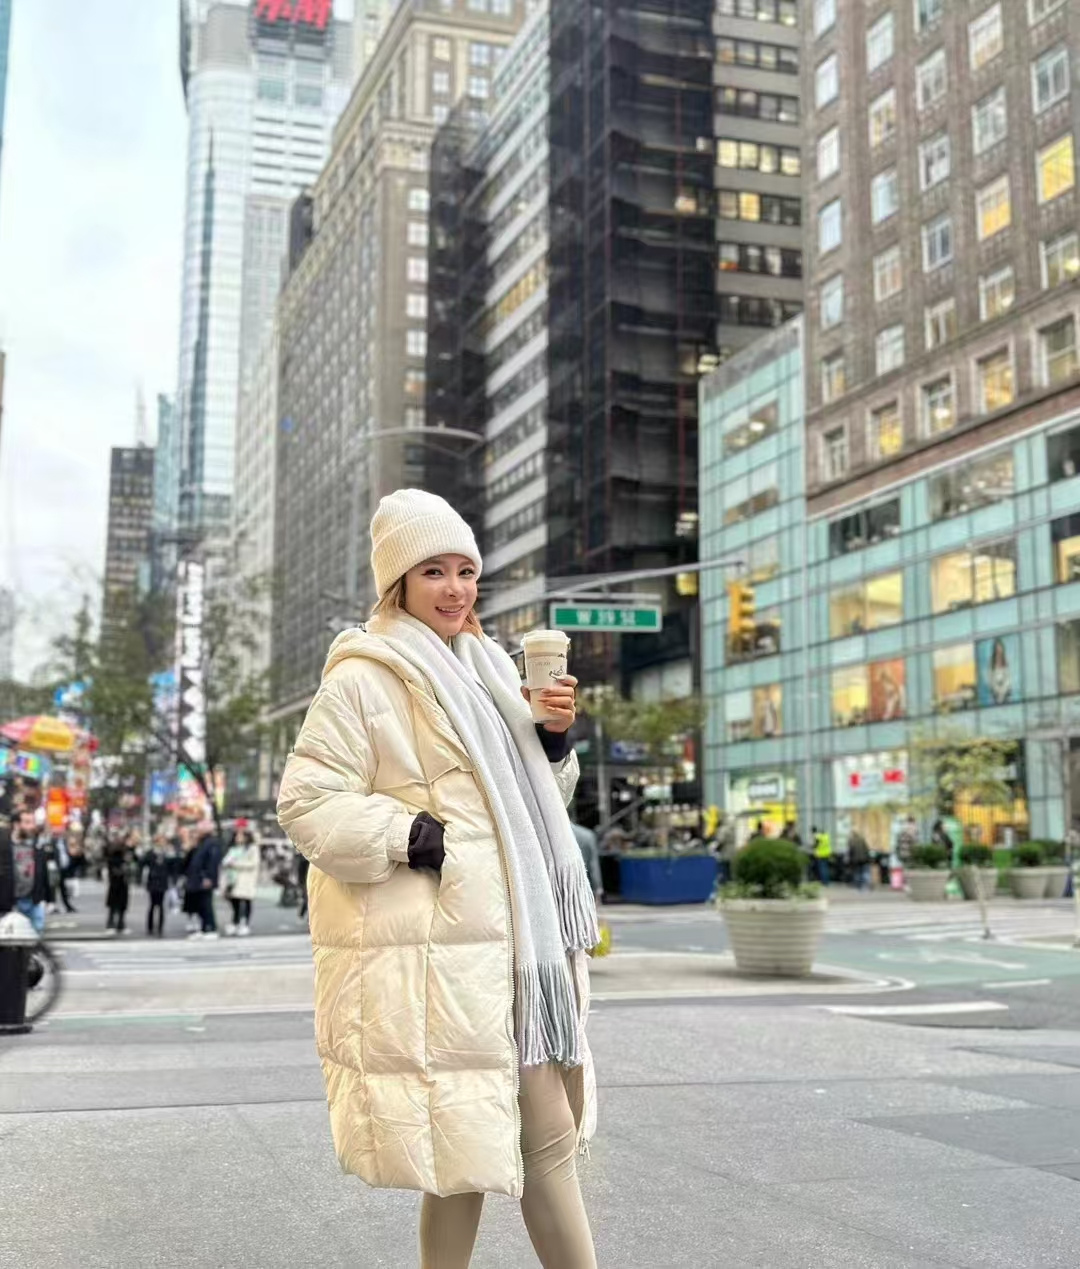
[543, 634]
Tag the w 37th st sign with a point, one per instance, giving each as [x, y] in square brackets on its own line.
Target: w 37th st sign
[316, 13]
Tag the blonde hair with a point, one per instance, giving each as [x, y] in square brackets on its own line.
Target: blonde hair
[394, 601]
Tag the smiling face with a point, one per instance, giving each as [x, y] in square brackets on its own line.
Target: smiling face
[441, 593]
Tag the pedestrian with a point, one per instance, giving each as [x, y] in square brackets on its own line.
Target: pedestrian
[302, 870]
[23, 870]
[157, 885]
[118, 890]
[859, 860]
[791, 834]
[63, 871]
[939, 836]
[241, 868]
[201, 879]
[434, 1012]
[727, 843]
[590, 854]
[822, 854]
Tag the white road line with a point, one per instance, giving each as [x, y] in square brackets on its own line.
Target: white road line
[1017, 982]
[915, 1011]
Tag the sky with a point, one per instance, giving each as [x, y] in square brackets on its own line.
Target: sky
[91, 223]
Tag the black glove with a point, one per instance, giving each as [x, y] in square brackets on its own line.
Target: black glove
[426, 843]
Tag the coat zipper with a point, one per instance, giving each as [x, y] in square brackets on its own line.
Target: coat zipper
[432, 711]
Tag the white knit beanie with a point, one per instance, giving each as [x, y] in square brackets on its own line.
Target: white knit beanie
[412, 526]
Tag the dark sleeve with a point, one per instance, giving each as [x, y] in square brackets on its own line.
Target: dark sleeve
[426, 843]
[556, 744]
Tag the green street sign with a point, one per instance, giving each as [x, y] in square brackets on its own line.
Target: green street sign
[647, 619]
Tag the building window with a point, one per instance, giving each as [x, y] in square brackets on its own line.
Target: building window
[755, 714]
[880, 42]
[824, 15]
[937, 243]
[886, 431]
[1057, 351]
[479, 87]
[418, 233]
[869, 605]
[928, 13]
[979, 482]
[479, 54]
[827, 81]
[883, 118]
[1065, 535]
[938, 406]
[752, 157]
[874, 693]
[830, 227]
[888, 274]
[864, 528]
[997, 292]
[415, 383]
[833, 378]
[271, 90]
[976, 575]
[1039, 9]
[993, 208]
[417, 269]
[941, 325]
[440, 83]
[934, 161]
[828, 154]
[832, 302]
[1050, 78]
[1056, 169]
[764, 641]
[954, 678]
[834, 454]
[1063, 454]
[416, 343]
[995, 375]
[989, 120]
[440, 113]
[440, 49]
[931, 80]
[419, 199]
[762, 423]
[889, 349]
[850, 693]
[986, 37]
[1068, 656]
[752, 494]
[415, 305]
[1061, 259]
[884, 196]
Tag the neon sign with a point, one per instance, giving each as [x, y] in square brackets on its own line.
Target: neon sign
[316, 13]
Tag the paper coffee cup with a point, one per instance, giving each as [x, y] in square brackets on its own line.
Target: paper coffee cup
[545, 664]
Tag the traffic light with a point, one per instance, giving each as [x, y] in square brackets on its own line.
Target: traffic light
[742, 623]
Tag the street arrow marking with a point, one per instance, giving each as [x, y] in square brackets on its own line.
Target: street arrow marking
[927, 957]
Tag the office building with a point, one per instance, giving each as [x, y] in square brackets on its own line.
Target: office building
[5, 41]
[353, 324]
[167, 464]
[839, 647]
[487, 325]
[129, 546]
[264, 84]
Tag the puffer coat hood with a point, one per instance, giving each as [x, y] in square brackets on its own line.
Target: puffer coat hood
[413, 971]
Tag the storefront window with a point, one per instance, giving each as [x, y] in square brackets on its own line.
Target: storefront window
[763, 422]
[869, 605]
[1065, 534]
[976, 575]
[954, 678]
[864, 528]
[850, 696]
[972, 485]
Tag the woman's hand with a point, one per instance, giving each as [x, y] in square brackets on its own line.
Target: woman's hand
[560, 701]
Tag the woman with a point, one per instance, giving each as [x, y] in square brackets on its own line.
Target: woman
[450, 908]
[241, 866]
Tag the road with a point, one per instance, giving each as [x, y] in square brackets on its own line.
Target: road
[172, 1111]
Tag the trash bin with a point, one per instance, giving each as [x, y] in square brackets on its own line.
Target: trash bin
[17, 937]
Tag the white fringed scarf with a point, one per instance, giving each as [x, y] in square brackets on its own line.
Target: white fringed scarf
[552, 904]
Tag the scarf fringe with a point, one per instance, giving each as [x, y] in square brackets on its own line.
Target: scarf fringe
[547, 1015]
[576, 906]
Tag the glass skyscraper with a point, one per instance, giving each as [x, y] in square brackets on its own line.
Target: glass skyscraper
[5, 35]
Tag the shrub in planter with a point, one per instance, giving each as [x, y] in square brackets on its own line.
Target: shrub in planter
[1057, 870]
[977, 866]
[774, 919]
[928, 873]
[1028, 878]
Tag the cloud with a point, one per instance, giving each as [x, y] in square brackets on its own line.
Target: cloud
[91, 224]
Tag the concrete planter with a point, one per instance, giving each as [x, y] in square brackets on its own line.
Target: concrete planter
[1031, 883]
[988, 877]
[774, 936]
[1056, 881]
[927, 885]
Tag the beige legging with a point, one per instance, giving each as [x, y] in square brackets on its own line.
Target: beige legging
[550, 1202]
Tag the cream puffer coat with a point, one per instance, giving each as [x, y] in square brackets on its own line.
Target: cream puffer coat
[414, 978]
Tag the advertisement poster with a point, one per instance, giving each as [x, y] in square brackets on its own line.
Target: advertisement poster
[998, 666]
[888, 691]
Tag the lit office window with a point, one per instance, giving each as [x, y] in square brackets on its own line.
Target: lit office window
[986, 37]
[993, 208]
[886, 431]
[1056, 169]
[888, 274]
[1061, 259]
[1057, 351]
[997, 293]
[995, 377]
